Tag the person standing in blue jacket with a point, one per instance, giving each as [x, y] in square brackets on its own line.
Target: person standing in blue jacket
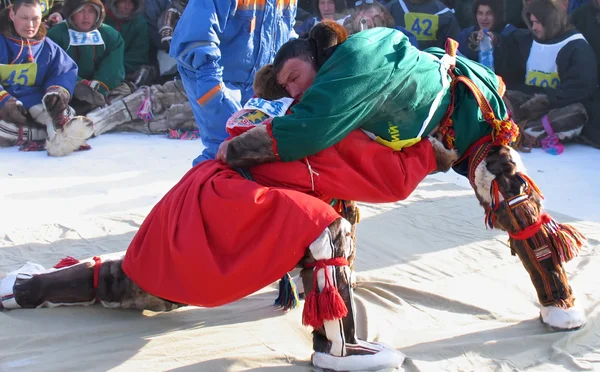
[219, 46]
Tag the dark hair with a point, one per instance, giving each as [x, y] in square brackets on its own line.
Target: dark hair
[385, 20]
[340, 8]
[19, 3]
[497, 7]
[550, 13]
[320, 45]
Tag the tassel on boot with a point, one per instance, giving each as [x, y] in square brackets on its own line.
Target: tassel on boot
[328, 303]
[287, 298]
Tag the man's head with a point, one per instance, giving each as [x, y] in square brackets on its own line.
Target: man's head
[125, 8]
[84, 16]
[489, 14]
[546, 19]
[26, 17]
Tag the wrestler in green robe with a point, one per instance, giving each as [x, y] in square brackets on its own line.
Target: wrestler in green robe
[377, 82]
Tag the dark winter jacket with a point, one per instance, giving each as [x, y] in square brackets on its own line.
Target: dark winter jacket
[134, 31]
[429, 20]
[575, 79]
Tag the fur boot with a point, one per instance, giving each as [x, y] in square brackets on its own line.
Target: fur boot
[513, 204]
[329, 307]
[32, 286]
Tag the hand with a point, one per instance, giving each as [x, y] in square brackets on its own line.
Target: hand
[222, 152]
[84, 92]
[56, 102]
[12, 112]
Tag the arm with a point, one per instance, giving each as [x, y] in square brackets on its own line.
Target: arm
[138, 52]
[62, 71]
[370, 172]
[359, 169]
[111, 68]
[578, 72]
[195, 46]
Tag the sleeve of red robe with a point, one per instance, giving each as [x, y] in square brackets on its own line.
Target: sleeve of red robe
[357, 168]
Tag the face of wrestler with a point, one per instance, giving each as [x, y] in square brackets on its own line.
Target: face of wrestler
[296, 76]
[27, 20]
[537, 28]
[85, 18]
[327, 9]
[485, 17]
[125, 8]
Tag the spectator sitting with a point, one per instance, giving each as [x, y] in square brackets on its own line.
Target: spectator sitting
[98, 50]
[576, 4]
[560, 77]
[429, 20]
[126, 17]
[37, 78]
[369, 14]
[51, 11]
[324, 9]
[587, 20]
[488, 15]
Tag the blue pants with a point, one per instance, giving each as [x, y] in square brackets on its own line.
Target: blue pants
[212, 124]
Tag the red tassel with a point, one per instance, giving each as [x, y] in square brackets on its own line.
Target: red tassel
[310, 313]
[331, 304]
[66, 262]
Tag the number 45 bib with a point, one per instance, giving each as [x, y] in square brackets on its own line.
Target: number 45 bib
[20, 74]
[85, 38]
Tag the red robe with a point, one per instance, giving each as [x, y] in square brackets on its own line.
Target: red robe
[217, 237]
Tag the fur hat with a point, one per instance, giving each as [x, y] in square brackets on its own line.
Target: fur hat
[266, 86]
[73, 6]
[325, 37]
[552, 14]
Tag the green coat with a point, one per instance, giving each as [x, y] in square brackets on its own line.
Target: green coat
[103, 63]
[137, 40]
[378, 82]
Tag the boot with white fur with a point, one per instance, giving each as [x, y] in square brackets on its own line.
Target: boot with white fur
[560, 319]
[70, 138]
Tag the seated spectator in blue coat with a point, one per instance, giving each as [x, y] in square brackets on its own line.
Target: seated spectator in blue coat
[488, 15]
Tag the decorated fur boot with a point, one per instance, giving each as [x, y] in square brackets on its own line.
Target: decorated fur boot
[72, 283]
[512, 203]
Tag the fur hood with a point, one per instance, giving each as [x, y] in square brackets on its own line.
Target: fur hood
[111, 6]
[71, 6]
[551, 14]
[7, 28]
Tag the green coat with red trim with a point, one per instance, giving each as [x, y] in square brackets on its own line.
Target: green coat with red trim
[378, 82]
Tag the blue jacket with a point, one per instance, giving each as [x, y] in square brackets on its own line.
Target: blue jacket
[218, 41]
[467, 51]
[27, 82]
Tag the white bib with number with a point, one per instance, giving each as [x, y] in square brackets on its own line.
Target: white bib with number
[85, 38]
[542, 70]
[272, 108]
